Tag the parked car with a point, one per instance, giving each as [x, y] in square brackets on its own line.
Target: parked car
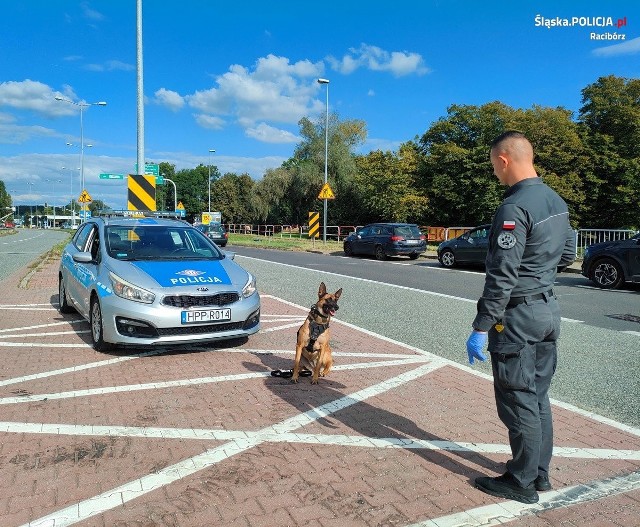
[215, 232]
[469, 248]
[148, 281]
[386, 239]
[610, 264]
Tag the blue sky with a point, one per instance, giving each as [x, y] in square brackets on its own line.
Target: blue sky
[237, 76]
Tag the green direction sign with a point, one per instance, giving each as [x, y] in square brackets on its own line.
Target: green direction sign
[152, 169]
[159, 180]
[111, 176]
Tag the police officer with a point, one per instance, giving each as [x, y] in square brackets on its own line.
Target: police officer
[519, 315]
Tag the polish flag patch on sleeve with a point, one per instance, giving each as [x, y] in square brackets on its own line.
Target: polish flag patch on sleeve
[508, 225]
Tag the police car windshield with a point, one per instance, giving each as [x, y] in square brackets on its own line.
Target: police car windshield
[158, 242]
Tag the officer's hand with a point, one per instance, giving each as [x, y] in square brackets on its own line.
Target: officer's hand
[475, 345]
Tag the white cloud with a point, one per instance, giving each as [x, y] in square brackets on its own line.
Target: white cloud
[110, 65]
[268, 134]
[37, 97]
[90, 14]
[211, 122]
[630, 47]
[11, 134]
[398, 63]
[276, 90]
[169, 99]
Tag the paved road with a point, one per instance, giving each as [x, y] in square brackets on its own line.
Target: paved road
[204, 435]
[599, 368]
[580, 300]
[26, 245]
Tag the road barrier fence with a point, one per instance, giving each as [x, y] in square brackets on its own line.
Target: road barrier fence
[584, 237]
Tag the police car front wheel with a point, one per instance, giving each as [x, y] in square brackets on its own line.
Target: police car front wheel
[97, 327]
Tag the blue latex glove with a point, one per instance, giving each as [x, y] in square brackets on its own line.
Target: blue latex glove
[475, 345]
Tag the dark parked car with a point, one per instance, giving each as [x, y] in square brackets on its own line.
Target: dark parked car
[386, 239]
[610, 264]
[215, 232]
[469, 248]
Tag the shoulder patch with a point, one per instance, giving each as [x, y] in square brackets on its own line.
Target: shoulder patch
[506, 240]
[508, 225]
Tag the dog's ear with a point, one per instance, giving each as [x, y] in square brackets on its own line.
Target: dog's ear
[338, 293]
[322, 291]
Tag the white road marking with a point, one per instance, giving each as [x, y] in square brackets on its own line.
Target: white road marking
[291, 437]
[136, 488]
[240, 441]
[194, 382]
[504, 512]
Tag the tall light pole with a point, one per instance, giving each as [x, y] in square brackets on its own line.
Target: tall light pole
[82, 106]
[53, 200]
[326, 158]
[211, 151]
[175, 194]
[30, 185]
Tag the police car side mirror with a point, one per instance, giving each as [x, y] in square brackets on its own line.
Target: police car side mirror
[229, 254]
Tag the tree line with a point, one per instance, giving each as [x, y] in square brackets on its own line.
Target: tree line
[444, 176]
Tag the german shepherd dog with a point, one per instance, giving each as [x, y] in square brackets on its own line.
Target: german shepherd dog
[313, 352]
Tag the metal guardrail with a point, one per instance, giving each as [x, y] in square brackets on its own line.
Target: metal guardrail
[584, 237]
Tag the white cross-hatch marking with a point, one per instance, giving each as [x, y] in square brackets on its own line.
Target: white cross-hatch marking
[407, 443]
[134, 489]
[504, 512]
[86, 507]
[193, 382]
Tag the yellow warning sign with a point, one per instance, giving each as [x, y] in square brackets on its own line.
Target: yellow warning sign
[84, 197]
[326, 192]
[180, 205]
[142, 192]
[314, 224]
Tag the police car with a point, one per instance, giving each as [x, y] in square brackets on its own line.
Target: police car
[152, 280]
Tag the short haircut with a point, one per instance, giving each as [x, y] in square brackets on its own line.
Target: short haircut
[514, 143]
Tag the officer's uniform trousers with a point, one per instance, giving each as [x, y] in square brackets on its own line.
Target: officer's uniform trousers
[531, 329]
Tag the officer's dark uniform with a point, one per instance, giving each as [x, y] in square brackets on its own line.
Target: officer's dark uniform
[530, 237]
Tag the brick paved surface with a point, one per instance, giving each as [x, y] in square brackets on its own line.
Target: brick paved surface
[204, 436]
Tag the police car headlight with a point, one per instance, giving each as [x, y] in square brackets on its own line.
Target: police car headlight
[124, 289]
[250, 287]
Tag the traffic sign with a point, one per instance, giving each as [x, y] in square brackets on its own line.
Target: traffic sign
[84, 197]
[180, 205]
[111, 176]
[326, 192]
[150, 168]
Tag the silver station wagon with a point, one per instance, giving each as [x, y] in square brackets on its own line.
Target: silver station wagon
[153, 281]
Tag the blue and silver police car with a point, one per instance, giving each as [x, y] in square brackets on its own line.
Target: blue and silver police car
[152, 281]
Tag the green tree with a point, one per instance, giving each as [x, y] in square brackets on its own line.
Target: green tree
[232, 195]
[386, 182]
[611, 116]
[5, 199]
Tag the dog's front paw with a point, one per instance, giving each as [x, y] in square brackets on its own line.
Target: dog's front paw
[294, 378]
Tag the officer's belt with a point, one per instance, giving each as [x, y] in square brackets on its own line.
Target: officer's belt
[517, 300]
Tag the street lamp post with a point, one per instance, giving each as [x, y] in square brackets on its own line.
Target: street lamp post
[211, 151]
[175, 194]
[53, 199]
[326, 157]
[82, 106]
[30, 185]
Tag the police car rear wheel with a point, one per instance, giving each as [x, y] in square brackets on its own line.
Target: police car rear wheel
[97, 332]
[607, 274]
[62, 297]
